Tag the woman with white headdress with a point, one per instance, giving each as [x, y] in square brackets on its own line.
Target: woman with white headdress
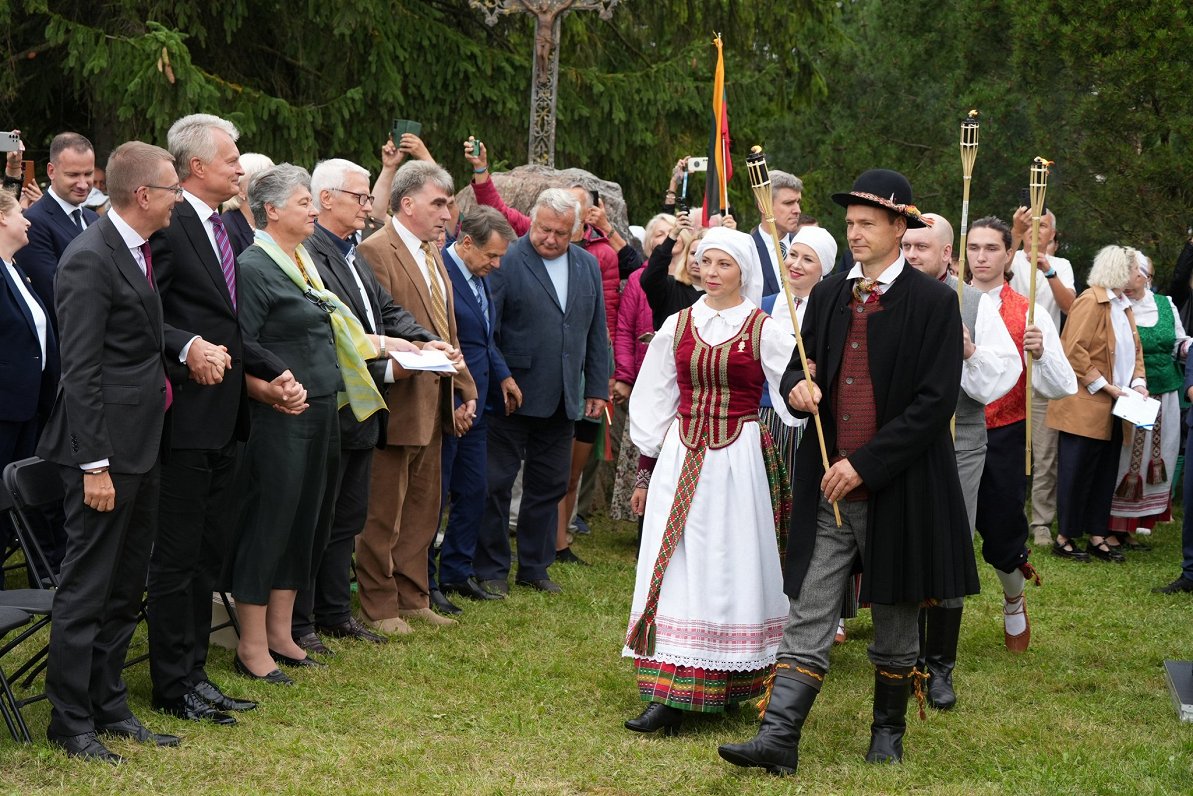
[708, 607]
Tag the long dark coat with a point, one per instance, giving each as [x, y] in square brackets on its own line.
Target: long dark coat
[918, 543]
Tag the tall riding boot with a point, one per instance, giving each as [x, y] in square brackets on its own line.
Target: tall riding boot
[940, 654]
[892, 687]
[776, 747]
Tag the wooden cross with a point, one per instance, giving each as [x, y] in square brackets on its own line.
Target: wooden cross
[545, 84]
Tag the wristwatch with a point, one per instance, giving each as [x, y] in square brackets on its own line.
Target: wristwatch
[1050, 273]
[96, 471]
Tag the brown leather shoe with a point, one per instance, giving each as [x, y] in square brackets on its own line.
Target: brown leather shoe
[1020, 642]
[394, 626]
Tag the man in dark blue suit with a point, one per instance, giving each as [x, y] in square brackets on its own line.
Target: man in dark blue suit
[485, 236]
[549, 320]
[59, 216]
[786, 193]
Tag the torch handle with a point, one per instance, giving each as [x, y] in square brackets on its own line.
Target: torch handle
[1031, 318]
[962, 256]
[799, 343]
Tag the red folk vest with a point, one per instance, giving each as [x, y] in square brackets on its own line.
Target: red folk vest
[853, 395]
[1012, 407]
[719, 386]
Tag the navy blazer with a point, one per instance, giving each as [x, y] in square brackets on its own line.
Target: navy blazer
[484, 360]
[770, 285]
[50, 232]
[553, 355]
[26, 389]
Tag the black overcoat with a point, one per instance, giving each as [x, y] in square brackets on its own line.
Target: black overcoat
[918, 543]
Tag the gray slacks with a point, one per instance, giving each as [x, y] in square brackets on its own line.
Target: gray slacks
[812, 621]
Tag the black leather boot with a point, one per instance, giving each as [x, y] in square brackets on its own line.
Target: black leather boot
[892, 687]
[657, 716]
[940, 654]
[776, 746]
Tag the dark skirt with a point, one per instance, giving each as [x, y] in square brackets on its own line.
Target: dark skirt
[287, 482]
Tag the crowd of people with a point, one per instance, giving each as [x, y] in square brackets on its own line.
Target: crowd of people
[264, 380]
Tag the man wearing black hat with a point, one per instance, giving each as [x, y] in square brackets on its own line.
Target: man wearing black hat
[887, 341]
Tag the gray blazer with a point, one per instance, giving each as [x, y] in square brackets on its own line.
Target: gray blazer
[549, 352]
[111, 400]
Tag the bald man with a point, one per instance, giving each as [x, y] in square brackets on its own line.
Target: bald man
[992, 366]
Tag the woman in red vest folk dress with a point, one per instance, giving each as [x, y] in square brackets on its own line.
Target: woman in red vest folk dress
[708, 607]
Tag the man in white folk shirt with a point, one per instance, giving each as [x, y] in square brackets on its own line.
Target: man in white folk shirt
[992, 365]
[1055, 293]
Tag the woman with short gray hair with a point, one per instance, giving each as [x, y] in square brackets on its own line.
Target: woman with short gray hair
[288, 473]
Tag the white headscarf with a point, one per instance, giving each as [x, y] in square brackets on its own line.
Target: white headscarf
[741, 248]
[819, 240]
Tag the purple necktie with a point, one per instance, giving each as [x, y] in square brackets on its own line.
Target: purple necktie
[227, 261]
[145, 252]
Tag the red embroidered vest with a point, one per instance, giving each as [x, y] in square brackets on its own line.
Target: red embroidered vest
[1012, 407]
[853, 395]
[719, 386]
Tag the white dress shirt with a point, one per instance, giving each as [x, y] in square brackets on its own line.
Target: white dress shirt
[414, 246]
[67, 207]
[1123, 366]
[995, 365]
[1021, 282]
[1051, 375]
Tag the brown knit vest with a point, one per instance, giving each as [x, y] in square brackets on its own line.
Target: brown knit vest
[853, 397]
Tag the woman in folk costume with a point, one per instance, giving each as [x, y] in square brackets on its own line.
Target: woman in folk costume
[708, 606]
[812, 254]
[1143, 494]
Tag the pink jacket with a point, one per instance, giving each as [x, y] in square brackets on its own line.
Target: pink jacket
[593, 242]
[634, 319]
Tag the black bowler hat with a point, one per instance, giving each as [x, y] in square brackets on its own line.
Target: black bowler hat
[886, 189]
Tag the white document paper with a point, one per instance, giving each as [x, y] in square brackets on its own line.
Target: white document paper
[1137, 410]
[433, 360]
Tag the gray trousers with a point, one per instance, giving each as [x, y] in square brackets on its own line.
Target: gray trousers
[812, 621]
[970, 466]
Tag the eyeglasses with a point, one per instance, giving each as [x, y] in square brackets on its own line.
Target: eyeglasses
[177, 189]
[361, 198]
[326, 306]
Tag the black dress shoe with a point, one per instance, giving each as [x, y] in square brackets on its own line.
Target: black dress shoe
[566, 556]
[133, 728]
[276, 677]
[85, 747]
[352, 629]
[212, 694]
[312, 643]
[470, 589]
[542, 584]
[657, 716]
[443, 605]
[501, 588]
[1179, 586]
[1069, 550]
[1105, 552]
[192, 707]
[286, 660]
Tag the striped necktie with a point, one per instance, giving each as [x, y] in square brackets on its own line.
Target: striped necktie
[438, 303]
[227, 261]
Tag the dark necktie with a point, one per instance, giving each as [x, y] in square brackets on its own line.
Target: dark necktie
[227, 261]
[76, 215]
[145, 252]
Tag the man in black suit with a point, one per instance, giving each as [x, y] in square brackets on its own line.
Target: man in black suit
[341, 189]
[196, 278]
[59, 216]
[105, 433]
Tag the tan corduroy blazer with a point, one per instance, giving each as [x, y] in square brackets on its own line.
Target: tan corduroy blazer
[1088, 340]
[418, 402]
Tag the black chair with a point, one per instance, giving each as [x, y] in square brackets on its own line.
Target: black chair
[10, 707]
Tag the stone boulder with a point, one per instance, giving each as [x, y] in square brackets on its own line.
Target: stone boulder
[521, 186]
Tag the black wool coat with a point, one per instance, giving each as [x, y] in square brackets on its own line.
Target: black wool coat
[918, 543]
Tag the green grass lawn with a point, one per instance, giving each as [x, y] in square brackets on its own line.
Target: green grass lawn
[528, 696]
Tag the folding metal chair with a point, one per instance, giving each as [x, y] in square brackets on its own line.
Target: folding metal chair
[10, 707]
